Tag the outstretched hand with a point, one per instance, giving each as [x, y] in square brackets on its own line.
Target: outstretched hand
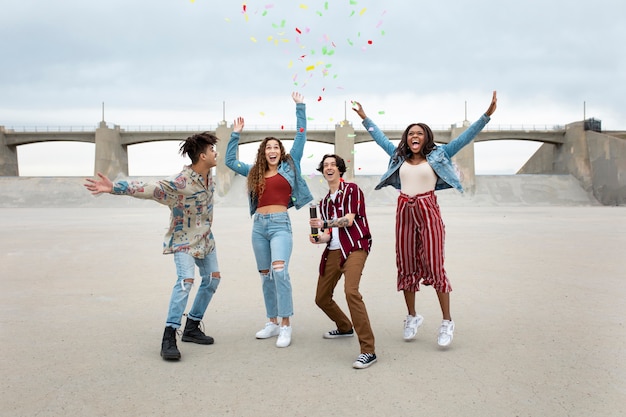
[103, 185]
[297, 97]
[238, 125]
[492, 106]
[356, 106]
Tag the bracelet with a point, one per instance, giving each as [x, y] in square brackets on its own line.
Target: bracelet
[325, 224]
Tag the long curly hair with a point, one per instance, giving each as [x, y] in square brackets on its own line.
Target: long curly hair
[403, 147]
[256, 176]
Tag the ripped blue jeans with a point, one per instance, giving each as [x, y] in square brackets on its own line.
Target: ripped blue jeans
[272, 242]
[185, 269]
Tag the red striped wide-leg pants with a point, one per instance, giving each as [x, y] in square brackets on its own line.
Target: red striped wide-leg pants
[420, 235]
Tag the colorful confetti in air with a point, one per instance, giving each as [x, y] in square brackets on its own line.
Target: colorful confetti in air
[312, 37]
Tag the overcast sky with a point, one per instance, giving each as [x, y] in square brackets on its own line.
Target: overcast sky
[176, 62]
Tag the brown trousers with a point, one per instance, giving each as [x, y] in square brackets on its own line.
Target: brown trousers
[352, 270]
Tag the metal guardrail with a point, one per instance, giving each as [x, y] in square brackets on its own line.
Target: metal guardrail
[202, 128]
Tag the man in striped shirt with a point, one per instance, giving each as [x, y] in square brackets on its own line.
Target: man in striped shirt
[345, 231]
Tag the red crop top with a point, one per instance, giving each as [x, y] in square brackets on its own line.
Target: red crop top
[277, 192]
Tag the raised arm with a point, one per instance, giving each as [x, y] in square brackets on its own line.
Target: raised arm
[356, 106]
[297, 149]
[379, 137]
[471, 132]
[230, 159]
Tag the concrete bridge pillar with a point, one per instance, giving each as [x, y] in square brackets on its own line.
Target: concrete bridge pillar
[224, 174]
[344, 146]
[464, 160]
[8, 157]
[111, 155]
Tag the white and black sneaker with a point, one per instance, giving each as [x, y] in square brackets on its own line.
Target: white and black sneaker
[334, 334]
[365, 360]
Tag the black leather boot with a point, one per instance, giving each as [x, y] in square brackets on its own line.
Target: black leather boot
[169, 350]
[192, 333]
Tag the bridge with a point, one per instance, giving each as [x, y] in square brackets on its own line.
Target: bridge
[596, 159]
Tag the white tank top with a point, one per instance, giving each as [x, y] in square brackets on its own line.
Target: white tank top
[417, 179]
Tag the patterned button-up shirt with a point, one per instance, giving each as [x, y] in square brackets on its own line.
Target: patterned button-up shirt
[191, 207]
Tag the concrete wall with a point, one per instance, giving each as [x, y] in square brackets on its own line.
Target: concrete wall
[596, 160]
[607, 156]
[8, 156]
[503, 190]
[111, 155]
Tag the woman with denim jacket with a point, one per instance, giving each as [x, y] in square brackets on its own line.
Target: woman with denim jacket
[417, 168]
[274, 185]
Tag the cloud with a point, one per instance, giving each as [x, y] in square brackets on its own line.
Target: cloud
[173, 62]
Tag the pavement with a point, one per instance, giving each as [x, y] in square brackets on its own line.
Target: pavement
[538, 301]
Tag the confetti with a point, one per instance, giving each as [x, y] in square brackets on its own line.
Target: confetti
[296, 27]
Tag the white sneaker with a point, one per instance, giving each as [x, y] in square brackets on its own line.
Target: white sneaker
[411, 324]
[446, 333]
[270, 330]
[284, 338]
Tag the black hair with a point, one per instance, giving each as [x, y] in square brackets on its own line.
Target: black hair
[403, 147]
[341, 164]
[196, 144]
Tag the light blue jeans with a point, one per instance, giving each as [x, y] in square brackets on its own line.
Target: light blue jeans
[185, 269]
[272, 241]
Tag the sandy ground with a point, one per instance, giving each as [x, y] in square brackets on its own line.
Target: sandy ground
[538, 302]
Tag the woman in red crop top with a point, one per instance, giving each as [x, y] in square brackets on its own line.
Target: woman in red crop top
[274, 185]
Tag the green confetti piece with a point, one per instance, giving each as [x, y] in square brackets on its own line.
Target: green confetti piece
[310, 118]
[264, 13]
[325, 5]
[350, 42]
[352, 14]
[381, 112]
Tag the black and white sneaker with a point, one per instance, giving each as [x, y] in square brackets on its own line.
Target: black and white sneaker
[334, 334]
[364, 360]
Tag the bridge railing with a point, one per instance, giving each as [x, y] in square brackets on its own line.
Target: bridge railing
[202, 128]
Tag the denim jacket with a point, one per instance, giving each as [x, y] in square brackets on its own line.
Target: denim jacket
[439, 158]
[300, 194]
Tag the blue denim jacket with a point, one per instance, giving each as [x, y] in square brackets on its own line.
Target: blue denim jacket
[300, 194]
[439, 158]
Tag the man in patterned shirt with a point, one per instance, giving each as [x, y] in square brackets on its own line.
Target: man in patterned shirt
[347, 237]
[189, 195]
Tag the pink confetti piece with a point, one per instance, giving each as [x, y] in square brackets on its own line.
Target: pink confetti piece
[301, 129]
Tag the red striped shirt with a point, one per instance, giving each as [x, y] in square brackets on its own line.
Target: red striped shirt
[349, 200]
